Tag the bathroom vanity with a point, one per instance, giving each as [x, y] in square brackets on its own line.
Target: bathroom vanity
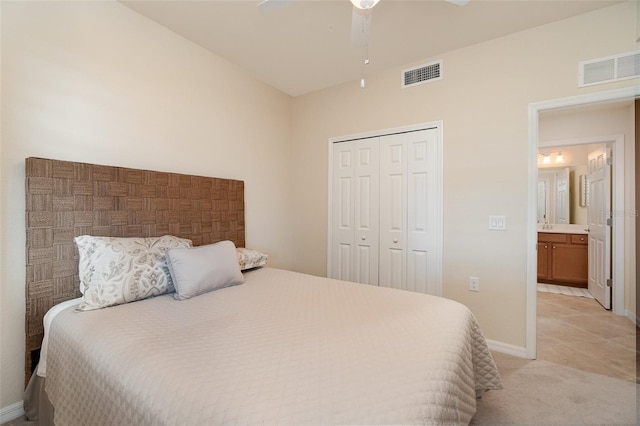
[563, 255]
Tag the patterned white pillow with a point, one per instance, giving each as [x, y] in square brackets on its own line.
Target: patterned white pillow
[116, 270]
[248, 258]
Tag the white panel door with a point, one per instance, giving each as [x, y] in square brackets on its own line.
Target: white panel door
[409, 211]
[342, 211]
[386, 211]
[599, 209]
[393, 210]
[355, 211]
[421, 211]
[366, 208]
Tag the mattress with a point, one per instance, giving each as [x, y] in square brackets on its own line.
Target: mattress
[282, 348]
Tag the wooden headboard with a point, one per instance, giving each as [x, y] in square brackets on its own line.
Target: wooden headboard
[65, 199]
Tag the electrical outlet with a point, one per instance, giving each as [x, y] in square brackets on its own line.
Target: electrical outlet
[474, 284]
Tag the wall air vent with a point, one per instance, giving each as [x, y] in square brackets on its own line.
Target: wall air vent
[422, 74]
[607, 70]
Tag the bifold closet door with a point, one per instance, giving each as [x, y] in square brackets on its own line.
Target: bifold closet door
[355, 211]
[406, 161]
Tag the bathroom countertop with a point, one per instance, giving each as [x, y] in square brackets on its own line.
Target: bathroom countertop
[563, 229]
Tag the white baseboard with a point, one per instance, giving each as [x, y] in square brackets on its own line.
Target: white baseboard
[11, 412]
[632, 317]
[508, 349]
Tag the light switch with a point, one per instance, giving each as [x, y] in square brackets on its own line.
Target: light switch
[498, 223]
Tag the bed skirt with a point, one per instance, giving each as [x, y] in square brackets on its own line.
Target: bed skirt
[37, 406]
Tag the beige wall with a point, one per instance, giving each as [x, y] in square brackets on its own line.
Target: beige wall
[579, 214]
[483, 101]
[97, 82]
[604, 120]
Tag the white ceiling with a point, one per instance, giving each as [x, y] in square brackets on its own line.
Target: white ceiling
[305, 45]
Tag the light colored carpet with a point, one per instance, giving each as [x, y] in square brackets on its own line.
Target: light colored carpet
[543, 393]
[566, 290]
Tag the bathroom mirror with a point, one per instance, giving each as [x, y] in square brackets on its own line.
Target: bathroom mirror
[563, 195]
[553, 195]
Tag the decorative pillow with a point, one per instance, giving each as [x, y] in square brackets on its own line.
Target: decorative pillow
[248, 258]
[115, 270]
[203, 269]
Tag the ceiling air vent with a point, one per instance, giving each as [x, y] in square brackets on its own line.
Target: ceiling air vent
[609, 69]
[422, 74]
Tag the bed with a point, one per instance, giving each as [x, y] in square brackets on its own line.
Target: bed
[271, 347]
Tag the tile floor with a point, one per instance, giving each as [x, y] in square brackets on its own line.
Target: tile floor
[579, 333]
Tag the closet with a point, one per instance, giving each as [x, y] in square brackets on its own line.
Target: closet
[385, 210]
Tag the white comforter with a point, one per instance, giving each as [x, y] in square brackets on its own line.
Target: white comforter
[282, 348]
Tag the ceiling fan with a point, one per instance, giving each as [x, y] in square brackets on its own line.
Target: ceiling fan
[360, 18]
[360, 23]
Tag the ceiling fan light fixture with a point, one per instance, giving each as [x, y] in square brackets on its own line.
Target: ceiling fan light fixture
[364, 4]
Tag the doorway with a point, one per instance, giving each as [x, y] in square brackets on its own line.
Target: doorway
[574, 204]
[595, 100]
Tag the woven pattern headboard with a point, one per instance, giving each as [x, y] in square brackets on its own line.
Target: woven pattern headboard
[66, 199]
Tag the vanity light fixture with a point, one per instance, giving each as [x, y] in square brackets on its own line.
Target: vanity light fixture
[546, 158]
[559, 158]
[364, 4]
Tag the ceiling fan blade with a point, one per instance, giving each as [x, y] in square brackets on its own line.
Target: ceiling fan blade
[360, 27]
[458, 2]
[269, 6]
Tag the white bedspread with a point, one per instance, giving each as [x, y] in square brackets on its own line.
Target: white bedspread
[47, 320]
[282, 348]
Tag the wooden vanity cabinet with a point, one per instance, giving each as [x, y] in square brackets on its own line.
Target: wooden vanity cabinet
[563, 259]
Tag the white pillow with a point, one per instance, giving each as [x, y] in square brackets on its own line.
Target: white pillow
[248, 258]
[203, 269]
[119, 270]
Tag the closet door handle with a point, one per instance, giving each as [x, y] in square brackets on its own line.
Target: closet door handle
[363, 238]
[395, 240]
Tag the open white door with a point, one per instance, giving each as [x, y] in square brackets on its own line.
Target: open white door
[599, 212]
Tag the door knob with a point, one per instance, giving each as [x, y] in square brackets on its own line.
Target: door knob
[395, 240]
[363, 238]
